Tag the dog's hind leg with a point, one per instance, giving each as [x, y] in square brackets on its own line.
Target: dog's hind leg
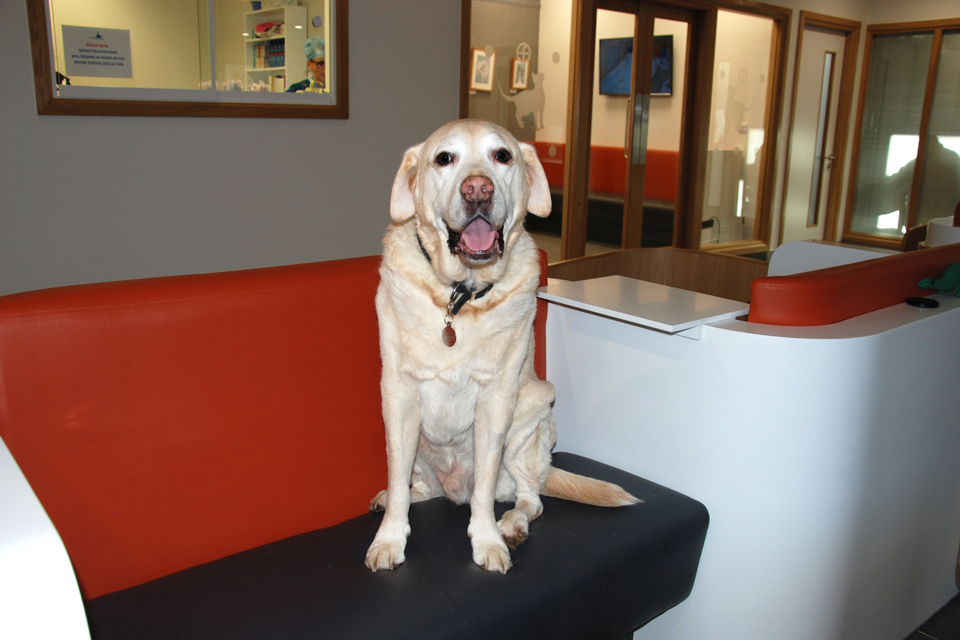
[527, 459]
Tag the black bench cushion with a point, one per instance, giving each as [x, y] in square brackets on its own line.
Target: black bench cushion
[584, 572]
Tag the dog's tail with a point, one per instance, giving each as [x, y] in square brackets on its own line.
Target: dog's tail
[570, 486]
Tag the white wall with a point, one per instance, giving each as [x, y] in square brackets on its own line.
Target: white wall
[164, 50]
[87, 199]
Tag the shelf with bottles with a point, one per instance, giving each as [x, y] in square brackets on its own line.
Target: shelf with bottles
[280, 52]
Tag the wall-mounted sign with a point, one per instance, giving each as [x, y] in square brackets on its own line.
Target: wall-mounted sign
[101, 53]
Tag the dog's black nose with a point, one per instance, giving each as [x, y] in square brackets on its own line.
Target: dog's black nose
[476, 189]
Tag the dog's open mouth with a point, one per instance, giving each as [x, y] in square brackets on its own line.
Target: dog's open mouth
[477, 241]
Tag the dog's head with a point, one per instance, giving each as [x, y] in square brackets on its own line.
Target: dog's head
[469, 185]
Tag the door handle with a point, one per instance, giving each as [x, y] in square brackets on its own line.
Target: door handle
[641, 115]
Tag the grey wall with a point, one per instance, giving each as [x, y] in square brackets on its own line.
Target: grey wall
[86, 199]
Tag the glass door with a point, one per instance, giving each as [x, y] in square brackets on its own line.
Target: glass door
[656, 124]
[741, 125]
[629, 150]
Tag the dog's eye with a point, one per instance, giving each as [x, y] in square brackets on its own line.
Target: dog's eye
[443, 159]
[503, 156]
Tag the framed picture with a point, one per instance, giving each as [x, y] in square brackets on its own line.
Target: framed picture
[519, 74]
[481, 70]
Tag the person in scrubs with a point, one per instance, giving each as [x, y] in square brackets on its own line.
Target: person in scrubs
[316, 68]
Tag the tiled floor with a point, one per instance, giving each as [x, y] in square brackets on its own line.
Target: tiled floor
[944, 625]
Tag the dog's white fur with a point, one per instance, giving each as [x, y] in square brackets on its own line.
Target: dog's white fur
[471, 421]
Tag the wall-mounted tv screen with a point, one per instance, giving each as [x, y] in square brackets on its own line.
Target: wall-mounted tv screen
[616, 63]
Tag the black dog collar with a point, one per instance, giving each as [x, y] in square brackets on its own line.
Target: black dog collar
[461, 295]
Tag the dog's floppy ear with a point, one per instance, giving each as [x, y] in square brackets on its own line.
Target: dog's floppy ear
[403, 206]
[538, 202]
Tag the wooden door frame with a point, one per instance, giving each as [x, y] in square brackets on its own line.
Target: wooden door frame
[466, 13]
[583, 34]
[691, 183]
[780, 36]
[848, 69]
[692, 87]
[694, 126]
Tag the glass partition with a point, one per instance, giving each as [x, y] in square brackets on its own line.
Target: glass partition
[890, 133]
[908, 145]
[940, 189]
[518, 73]
[738, 117]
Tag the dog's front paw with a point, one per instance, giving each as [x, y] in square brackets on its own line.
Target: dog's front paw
[492, 556]
[385, 555]
[379, 502]
[489, 549]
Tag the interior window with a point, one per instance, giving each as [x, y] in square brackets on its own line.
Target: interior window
[908, 162]
[277, 52]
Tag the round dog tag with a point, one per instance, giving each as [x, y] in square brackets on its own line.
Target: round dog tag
[449, 336]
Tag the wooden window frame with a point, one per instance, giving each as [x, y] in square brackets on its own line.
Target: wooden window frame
[760, 243]
[49, 104]
[926, 26]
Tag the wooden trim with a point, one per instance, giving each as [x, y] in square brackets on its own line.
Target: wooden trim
[841, 134]
[924, 131]
[579, 112]
[466, 22]
[809, 18]
[738, 248]
[37, 21]
[768, 173]
[851, 32]
[49, 104]
[719, 275]
[910, 27]
[691, 186]
[866, 239]
[848, 235]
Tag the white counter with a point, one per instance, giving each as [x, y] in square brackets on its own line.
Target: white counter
[646, 304]
[828, 457]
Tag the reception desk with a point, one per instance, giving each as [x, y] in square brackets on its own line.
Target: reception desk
[828, 456]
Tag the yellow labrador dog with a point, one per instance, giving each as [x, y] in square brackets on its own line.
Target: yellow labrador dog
[465, 415]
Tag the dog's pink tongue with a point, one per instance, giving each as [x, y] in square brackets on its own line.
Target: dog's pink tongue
[479, 236]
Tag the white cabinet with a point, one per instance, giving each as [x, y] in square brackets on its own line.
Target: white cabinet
[278, 60]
